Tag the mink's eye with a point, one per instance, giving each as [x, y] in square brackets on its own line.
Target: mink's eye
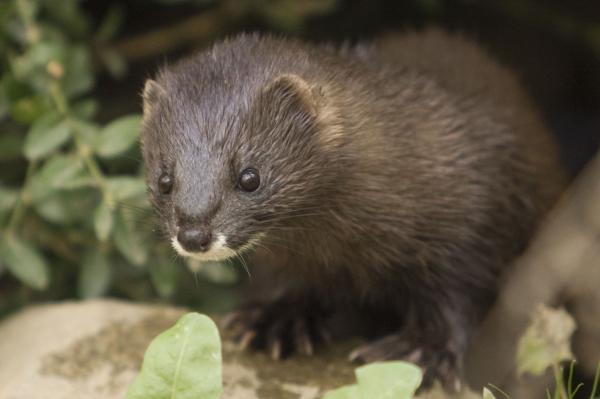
[165, 183]
[249, 180]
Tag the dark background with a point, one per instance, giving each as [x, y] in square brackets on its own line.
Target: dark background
[553, 45]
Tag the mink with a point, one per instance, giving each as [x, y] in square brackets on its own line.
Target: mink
[393, 180]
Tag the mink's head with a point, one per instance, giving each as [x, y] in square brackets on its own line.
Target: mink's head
[231, 155]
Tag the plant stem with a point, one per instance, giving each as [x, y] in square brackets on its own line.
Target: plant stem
[596, 379]
[22, 199]
[560, 385]
[59, 98]
[82, 149]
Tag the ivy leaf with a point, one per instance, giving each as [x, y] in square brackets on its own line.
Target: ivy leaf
[24, 261]
[103, 220]
[46, 135]
[95, 275]
[183, 362]
[118, 136]
[129, 240]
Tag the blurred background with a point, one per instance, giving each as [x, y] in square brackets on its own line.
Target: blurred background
[74, 220]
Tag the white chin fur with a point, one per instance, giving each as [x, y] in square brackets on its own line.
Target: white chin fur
[218, 250]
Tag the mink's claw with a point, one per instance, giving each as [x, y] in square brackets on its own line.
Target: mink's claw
[437, 364]
[278, 330]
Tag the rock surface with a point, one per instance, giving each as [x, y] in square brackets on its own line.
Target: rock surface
[94, 349]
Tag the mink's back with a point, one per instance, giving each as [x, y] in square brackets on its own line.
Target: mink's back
[470, 74]
[452, 167]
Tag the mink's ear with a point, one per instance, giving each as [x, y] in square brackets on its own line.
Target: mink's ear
[292, 90]
[152, 94]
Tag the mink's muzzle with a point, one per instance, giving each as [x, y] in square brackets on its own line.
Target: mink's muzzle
[195, 238]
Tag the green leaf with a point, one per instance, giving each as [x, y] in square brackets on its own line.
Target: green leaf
[46, 135]
[388, 380]
[383, 380]
[118, 136]
[55, 173]
[345, 392]
[87, 131]
[129, 240]
[126, 187]
[24, 261]
[103, 220]
[95, 275]
[78, 77]
[546, 342]
[79, 181]
[183, 362]
[68, 207]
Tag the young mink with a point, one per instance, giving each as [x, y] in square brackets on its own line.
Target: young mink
[392, 181]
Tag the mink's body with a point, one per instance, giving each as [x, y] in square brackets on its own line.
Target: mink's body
[397, 180]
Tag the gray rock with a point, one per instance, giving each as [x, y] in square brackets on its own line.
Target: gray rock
[94, 349]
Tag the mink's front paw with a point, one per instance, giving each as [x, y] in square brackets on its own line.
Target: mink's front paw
[278, 329]
[437, 364]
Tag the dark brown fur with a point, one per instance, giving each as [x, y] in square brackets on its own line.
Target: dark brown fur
[400, 179]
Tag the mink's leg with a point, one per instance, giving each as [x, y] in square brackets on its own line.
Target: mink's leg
[434, 335]
[281, 326]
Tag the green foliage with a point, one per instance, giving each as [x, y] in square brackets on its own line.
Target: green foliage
[24, 261]
[118, 136]
[68, 206]
[290, 15]
[546, 342]
[185, 362]
[487, 394]
[385, 380]
[182, 362]
[95, 275]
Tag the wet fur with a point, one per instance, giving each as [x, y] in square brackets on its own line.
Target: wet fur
[401, 177]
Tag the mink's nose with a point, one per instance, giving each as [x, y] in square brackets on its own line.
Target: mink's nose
[194, 239]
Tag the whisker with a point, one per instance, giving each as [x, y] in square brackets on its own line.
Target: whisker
[244, 265]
